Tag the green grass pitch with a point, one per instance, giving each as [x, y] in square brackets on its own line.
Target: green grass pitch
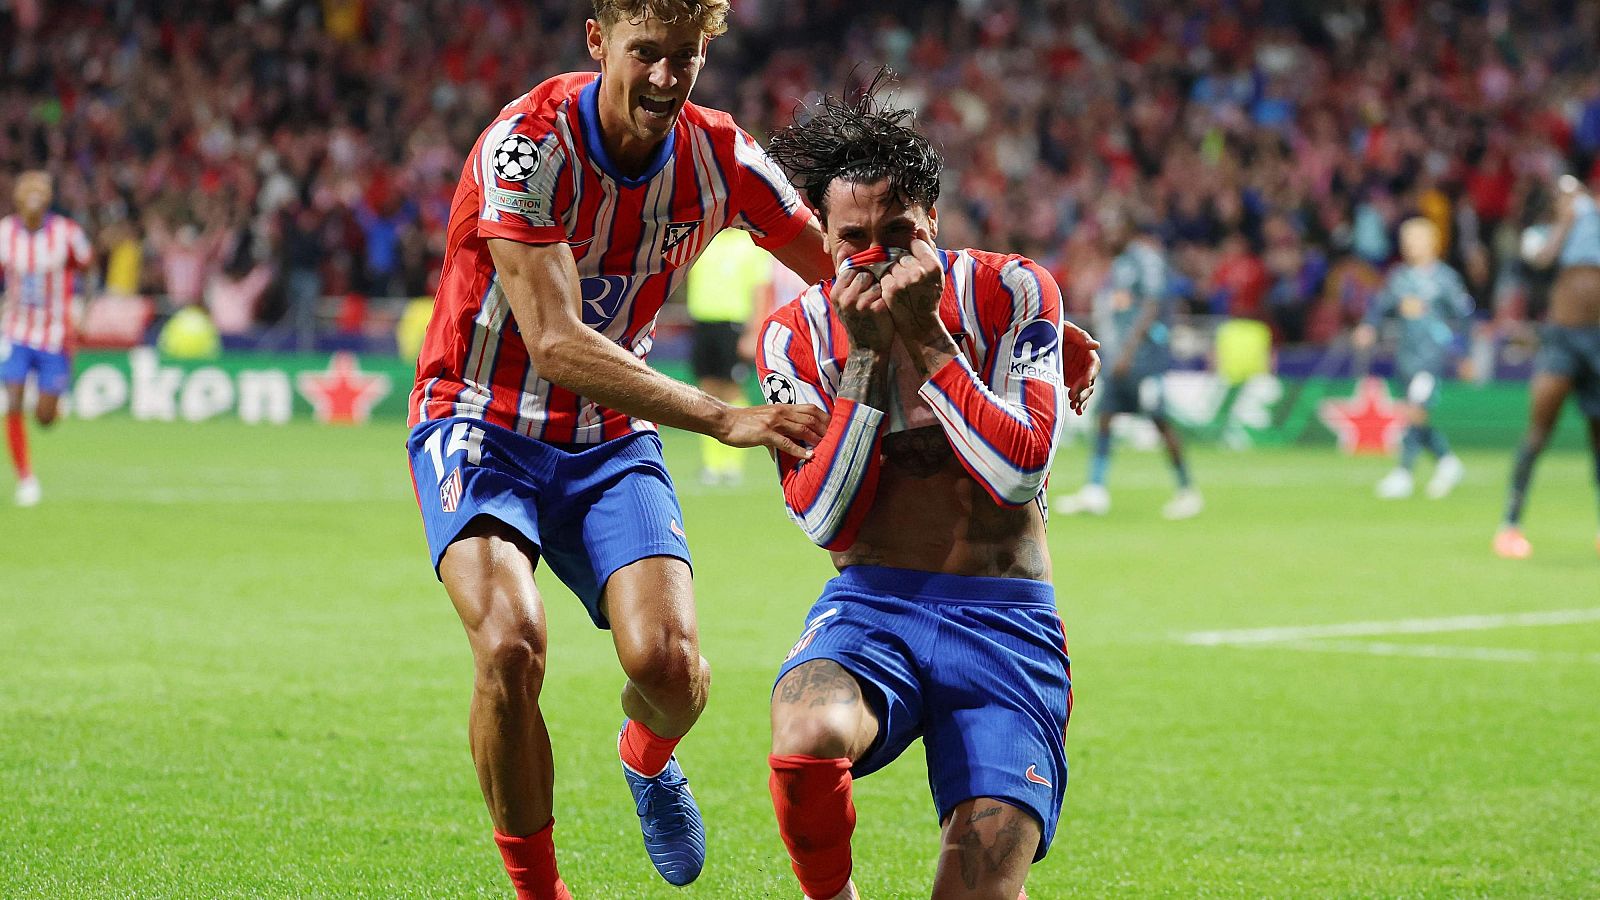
[229, 672]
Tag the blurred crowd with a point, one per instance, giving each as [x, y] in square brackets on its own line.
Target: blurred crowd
[250, 154]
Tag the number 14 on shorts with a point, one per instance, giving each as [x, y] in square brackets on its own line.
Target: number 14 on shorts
[463, 437]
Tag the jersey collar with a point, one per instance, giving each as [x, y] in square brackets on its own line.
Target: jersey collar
[589, 116]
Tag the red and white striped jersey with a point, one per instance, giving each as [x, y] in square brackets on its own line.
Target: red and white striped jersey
[540, 174]
[998, 402]
[40, 267]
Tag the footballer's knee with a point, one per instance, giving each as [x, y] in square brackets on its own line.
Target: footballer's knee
[489, 577]
[670, 666]
[822, 734]
[818, 710]
[511, 665]
[47, 410]
[510, 657]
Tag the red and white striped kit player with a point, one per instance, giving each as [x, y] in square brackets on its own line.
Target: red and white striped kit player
[40, 267]
[998, 403]
[540, 174]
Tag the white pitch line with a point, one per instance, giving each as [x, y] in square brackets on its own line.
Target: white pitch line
[1288, 634]
[1439, 651]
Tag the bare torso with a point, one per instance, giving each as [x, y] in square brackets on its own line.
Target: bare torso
[930, 515]
[1575, 298]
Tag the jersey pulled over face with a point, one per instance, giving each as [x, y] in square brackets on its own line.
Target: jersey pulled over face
[40, 266]
[540, 174]
[957, 496]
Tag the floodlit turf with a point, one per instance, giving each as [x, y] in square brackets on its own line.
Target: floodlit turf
[228, 672]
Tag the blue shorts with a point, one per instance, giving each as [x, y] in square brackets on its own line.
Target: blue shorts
[589, 510]
[54, 369]
[1573, 353]
[1127, 395]
[976, 667]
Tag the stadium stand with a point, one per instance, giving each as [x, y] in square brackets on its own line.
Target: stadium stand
[259, 156]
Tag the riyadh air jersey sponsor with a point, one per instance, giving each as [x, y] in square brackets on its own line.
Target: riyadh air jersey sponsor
[39, 266]
[540, 174]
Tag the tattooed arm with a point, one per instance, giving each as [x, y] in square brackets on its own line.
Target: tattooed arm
[829, 494]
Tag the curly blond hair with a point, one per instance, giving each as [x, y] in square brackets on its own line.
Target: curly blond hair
[710, 15]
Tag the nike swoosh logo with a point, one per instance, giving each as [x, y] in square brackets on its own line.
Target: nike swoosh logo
[1033, 775]
[678, 531]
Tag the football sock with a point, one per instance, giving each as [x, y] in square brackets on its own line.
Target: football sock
[816, 818]
[17, 437]
[1410, 446]
[531, 864]
[644, 751]
[1180, 471]
[1521, 474]
[1102, 458]
[1433, 439]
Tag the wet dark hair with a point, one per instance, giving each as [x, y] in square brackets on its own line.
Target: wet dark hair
[862, 141]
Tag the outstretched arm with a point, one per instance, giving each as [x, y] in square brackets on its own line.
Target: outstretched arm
[541, 284]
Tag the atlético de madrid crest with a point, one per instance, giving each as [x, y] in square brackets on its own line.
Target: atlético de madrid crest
[676, 245]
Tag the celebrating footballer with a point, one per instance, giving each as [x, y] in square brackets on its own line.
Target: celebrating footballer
[945, 374]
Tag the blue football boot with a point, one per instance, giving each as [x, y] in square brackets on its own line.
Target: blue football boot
[674, 836]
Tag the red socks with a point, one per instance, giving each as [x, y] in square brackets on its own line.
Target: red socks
[17, 437]
[531, 863]
[816, 818]
[644, 751]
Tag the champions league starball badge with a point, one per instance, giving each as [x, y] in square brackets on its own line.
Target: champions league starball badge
[516, 159]
[777, 388]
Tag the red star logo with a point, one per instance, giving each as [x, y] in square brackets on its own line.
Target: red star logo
[343, 395]
[1369, 422]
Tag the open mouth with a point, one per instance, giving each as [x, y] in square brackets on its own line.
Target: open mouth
[658, 107]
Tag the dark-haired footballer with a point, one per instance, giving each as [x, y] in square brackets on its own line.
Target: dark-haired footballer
[944, 373]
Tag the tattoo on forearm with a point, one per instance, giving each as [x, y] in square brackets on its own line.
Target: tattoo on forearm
[938, 343]
[919, 452]
[865, 379]
[819, 684]
[980, 858]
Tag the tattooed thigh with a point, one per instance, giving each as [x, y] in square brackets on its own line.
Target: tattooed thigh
[820, 682]
[988, 845]
[818, 711]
